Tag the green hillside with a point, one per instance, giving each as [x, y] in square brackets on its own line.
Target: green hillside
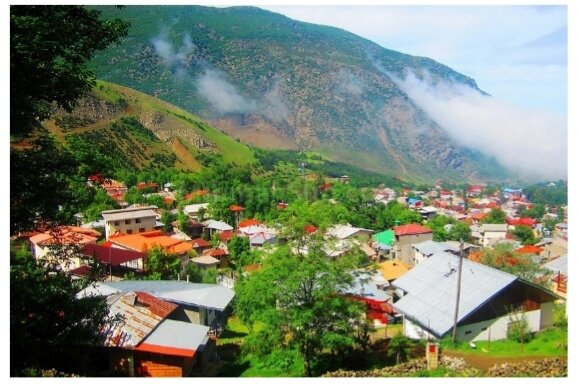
[137, 131]
[278, 83]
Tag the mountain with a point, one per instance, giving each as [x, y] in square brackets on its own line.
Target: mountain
[137, 131]
[275, 82]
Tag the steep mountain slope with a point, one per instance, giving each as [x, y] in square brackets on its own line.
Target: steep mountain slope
[138, 131]
[276, 82]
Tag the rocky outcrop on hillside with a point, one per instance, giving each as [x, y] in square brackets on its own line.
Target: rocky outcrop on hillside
[168, 130]
[88, 111]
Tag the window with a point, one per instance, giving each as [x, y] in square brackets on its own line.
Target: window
[117, 223]
[138, 220]
[129, 231]
[127, 221]
[142, 229]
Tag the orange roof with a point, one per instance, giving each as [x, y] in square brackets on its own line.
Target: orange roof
[168, 200]
[478, 215]
[236, 208]
[249, 222]
[156, 305]
[150, 239]
[251, 268]
[309, 229]
[66, 235]
[529, 249]
[411, 229]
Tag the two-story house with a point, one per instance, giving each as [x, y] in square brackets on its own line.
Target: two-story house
[129, 220]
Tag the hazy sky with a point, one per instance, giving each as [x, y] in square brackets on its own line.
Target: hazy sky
[518, 54]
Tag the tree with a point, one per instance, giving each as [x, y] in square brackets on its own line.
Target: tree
[399, 348]
[48, 323]
[161, 265]
[495, 216]
[238, 248]
[299, 301]
[504, 257]
[525, 235]
[49, 50]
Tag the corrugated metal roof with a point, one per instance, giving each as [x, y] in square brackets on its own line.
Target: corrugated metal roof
[179, 334]
[430, 247]
[140, 313]
[144, 212]
[205, 260]
[189, 293]
[559, 264]
[493, 227]
[431, 290]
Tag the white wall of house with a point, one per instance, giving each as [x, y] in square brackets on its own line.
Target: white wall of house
[130, 226]
[41, 252]
[419, 257]
[494, 329]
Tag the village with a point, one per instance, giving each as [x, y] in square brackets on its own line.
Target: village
[171, 271]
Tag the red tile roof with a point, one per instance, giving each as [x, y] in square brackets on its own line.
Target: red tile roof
[236, 208]
[529, 222]
[282, 206]
[200, 242]
[149, 239]
[411, 229]
[143, 185]
[249, 222]
[111, 255]
[156, 305]
[81, 271]
[228, 234]
[216, 252]
[66, 235]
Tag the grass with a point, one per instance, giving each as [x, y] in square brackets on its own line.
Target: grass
[550, 342]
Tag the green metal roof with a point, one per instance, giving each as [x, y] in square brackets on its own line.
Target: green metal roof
[385, 237]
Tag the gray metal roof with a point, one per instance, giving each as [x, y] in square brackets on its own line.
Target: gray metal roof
[559, 264]
[431, 290]
[180, 292]
[133, 213]
[179, 334]
[364, 285]
[430, 247]
[217, 225]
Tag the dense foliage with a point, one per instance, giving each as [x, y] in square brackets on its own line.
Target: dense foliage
[298, 300]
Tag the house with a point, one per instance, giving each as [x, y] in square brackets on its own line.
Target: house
[428, 212]
[111, 256]
[383, 240]
[368, 290]
[146, 241]
[202, 304]
[206, 262]
[393, 269]
[426, 249]
[345, 231]
[559, 269]
[491, 233]
[196, 212]
[144, 341]
[129, 220]
[490, 300]
[407, 235]
[44, 245]
[212, 226]
[200, 244]
[553, 248]
[219, 254]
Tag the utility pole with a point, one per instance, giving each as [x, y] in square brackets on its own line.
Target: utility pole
[457, 290]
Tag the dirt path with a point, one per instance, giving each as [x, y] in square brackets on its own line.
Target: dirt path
[484, 362]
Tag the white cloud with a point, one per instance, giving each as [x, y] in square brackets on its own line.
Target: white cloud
[533, 144]
[221, 94]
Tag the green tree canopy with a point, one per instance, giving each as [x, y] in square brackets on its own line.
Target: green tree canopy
[504, 257]
[49, 50]
[298, 300]
[495, 216]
